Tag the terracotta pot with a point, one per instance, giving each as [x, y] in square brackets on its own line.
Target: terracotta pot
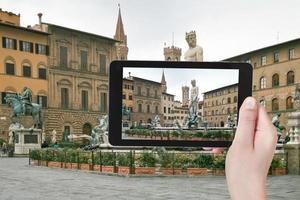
[219, 172]
[278, 171]
[124, 170]
[145, 170]
[109, 169]
[170, 171]
[54, 164]
[85, 166]
[197, 171]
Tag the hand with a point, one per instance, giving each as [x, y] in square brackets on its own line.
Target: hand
[250, 155]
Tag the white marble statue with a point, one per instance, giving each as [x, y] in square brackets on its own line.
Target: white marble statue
[193, 106]
[53, 138]
[297, 97]
[14, 126]
[195, 52]
[11, 137]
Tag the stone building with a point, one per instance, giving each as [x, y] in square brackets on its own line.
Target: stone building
[128, 93]
[147, 100]
[218, 104]
[121, 46]
[276, 71]
[23, 57]
[180, 113]
[78, 79]
[185, 95]
[172, 53]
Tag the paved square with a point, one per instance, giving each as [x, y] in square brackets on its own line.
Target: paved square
[20, 181]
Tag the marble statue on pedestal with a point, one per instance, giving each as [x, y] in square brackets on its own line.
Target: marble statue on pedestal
[13, 127]
[193, 106]
[155, 122]
[53, 138]
[195, 52]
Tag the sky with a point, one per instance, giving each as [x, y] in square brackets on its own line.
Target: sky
[176, 78]
[224, 28]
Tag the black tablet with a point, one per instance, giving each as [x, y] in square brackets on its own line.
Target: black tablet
[162, 103]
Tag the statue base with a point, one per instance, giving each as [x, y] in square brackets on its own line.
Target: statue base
[26, 139]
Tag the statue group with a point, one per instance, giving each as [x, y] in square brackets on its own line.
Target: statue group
[193, 106]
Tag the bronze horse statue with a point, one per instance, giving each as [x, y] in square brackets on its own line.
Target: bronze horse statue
[31, 109]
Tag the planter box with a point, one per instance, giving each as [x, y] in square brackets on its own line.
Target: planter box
[278, 171]
[54, 164]
[74, 166]
[197, 171]
[34, 162]
[145, 170]
[68, 165]
[170, 171]
[97, 168]
[43, 163]
[109, 169]
[124, 170]
[86, 167]
[219, 172]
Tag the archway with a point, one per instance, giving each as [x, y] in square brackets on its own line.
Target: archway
[87, 129]
[222, 124]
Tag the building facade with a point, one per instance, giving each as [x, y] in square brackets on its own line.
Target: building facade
[276, 71]
[172, 53]
[218, 104]
[128, 89]
[147, 100]
[121, 45]
[23, 57]
[185, 95]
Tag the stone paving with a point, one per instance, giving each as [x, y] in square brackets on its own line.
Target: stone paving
[18, 180]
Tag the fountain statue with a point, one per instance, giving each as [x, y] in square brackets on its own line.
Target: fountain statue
[280, 128]
[195, 52]
[155, 123]
[193, 106]
[231, 121]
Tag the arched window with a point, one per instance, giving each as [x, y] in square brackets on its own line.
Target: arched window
[10, 68]
[263, 82]
[223, 101]
[26, 70]
[235, 99]
[275, 80]
[290, 78]
[228, 111]
[87, 129]
[217, 103]
[212, 112]
[289, 103]
[263, 103]
[228, 100]
[234, 110]
[275, 104]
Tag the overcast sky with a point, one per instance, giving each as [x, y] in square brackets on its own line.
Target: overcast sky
[176, 78]
[224, 28]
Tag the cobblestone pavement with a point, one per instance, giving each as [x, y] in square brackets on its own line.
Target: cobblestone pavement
[18, 180]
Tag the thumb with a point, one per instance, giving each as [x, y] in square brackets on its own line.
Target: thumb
[244, 135]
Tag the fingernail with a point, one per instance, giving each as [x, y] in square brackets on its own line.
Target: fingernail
[250, 103]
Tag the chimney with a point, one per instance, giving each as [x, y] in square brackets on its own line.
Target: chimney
[40, 18]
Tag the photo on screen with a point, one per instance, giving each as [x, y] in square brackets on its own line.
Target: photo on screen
[179, 104]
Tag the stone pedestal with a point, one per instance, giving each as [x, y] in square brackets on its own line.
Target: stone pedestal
[26, 139]
[293, 158]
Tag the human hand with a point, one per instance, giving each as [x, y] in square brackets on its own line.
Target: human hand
[250, 155]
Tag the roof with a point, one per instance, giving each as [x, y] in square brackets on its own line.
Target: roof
[120, 33]
[221, 88]
[83, 32]
[24, 29]
[264, 48]
[127, 79]
[146, 80]
[168, 94]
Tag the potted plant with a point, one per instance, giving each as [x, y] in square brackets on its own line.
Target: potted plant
[109, 162]
[145, 163]
[58, 158]
[219, 165]
[199, 165]
[172, 164]
[71, 159]
[124, 163]
[85, 160]
[278, 166]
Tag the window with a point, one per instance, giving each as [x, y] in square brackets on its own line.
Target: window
[63, 56]
[289, 103]
[124, 96]
[228, 111]
[148, 92]
[263, 82]
[140, 108]
[290, 78]
[102, 64]
[9, 43]
[42, 100]
[275, 105]
[169, 110]
[42, 49]
[228, 100]
[155, 93]
[130, 97]
[64, 97]
[10, 68]
[291, 54]
[156, 109]
[234, 110]
[235, 99]
[275, 80]
[26, 46]
[212, 112]
[276, 57]
[42, 73]
[103, 102]
[165, 109]
[85, 100]
[83, 59]
[223, 101]
[263, 103]
[148, 108]
[26, 71]
[263, 60]
[139, 90]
